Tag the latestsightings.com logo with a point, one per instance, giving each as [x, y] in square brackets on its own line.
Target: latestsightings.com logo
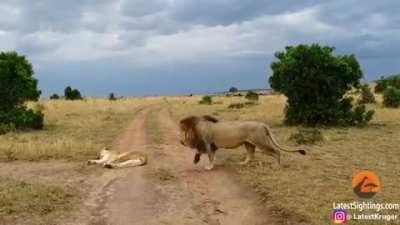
[366, 184]
[339, 216]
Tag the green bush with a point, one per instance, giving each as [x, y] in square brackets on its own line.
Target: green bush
[391, 97]
[236, 105]
[22, 118]
[241, 105]
[315, 82]
[307, 136]
[383, 83]
[233, 89]
[72, 94]
[54, 97]
[207, 100]
[366, 95]
[112, 97]
[5, 128]
[17, 85]
[360, 116]
[252, 96]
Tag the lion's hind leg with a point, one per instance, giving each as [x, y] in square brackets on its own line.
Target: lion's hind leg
[250, 148]
[128, 163]
[270, 150]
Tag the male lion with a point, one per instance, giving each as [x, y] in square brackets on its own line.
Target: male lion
[206, 134]
[112, 159]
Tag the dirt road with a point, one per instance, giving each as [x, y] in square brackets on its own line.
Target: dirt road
[171, 189]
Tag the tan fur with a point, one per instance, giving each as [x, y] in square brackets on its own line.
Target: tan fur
[112, 159]
[207, 134]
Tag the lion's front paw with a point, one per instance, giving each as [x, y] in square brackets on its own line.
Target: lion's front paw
[209, 167]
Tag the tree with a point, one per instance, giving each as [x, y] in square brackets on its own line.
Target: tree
[67, 91]
[17, 85]
[72, 94]
[233, 89]
[315, 81]
[111, 97]
[54, 96]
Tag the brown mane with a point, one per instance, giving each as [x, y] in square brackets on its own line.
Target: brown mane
[210, 118]
[188, 125]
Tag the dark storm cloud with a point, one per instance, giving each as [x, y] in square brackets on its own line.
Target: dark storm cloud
[225, 12]
[137, 41]
[139, 8]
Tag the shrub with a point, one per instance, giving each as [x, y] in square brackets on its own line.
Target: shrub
[72, 94]
[252, 96]
[112, 97]
[54, 97]
[233, 89]
[17, 85]
[5, 128]
[359, 116]
[391, 97]
[366, 95]
[236, 106]
[241, 105]
[315, 81]
[383, 83]
[207, 100]
[307, 136]
[22, 118]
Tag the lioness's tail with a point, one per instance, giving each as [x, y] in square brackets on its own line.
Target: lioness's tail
[269, 134]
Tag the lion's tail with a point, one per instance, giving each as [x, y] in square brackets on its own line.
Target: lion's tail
[269, 134]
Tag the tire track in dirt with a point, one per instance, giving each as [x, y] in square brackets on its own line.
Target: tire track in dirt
[218, 197]
[107, 200]
[170, 190]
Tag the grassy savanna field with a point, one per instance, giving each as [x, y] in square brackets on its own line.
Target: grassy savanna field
[38, 165]
[304, 188]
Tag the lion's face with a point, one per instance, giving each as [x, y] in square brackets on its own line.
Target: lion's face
[184, 137]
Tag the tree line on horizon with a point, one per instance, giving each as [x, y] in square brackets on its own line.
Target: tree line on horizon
[314, 79]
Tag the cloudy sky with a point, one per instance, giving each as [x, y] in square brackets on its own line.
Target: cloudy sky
[149, 47]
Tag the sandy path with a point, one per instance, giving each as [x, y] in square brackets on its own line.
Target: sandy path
[170, 189]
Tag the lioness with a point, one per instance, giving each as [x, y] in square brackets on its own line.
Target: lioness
[112, 159]
[206, 134]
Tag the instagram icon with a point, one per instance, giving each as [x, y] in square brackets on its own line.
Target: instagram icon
[339, 216]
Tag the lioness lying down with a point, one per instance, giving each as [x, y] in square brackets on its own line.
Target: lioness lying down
[111, 159]
[206, 134]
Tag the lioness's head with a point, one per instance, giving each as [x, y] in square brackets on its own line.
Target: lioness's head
[104, 151]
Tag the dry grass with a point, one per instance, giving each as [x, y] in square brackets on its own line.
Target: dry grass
[153, 131]
[74, 130]
[303, 189]
[38, 201]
